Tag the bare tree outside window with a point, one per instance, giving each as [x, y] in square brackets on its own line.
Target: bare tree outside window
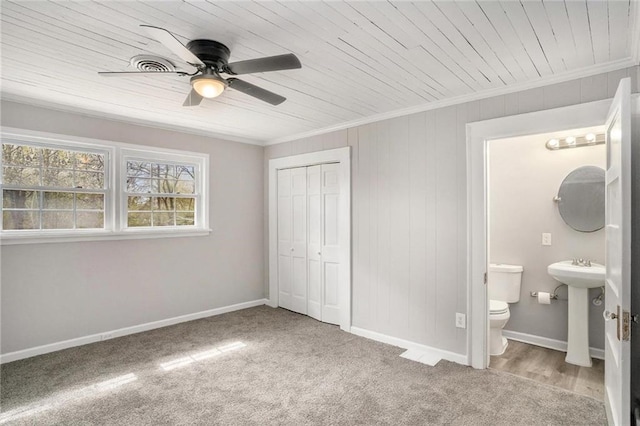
[51, 188]
[160, 194]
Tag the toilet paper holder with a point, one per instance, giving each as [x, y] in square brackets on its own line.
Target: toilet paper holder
[553, 296]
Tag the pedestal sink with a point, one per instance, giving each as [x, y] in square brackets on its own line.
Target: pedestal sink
[580, 278]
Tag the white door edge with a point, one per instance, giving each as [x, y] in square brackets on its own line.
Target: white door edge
[338, 155]
[478, 133]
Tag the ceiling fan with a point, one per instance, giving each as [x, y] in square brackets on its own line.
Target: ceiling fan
[211, 59]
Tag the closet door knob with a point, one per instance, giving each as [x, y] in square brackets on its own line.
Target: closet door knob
[319, 253]
[291, 248]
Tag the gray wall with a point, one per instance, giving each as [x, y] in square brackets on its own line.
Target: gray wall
[57, 291]
[409, 208]
[523, 178]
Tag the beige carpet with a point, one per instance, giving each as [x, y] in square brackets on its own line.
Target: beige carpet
[269, 366]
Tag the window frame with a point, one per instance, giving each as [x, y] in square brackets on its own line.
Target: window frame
[115, 208]
[129, 154]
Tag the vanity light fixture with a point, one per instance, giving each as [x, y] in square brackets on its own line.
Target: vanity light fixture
[589, 139]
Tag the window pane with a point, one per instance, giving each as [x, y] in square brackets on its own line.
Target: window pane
[139, 203]
[166, 171]
[12, 199]
[185, 172]
[89, 180]
[57, 158]
[138, 185]
[87, 161]
[163, 219]
[164, 203]
[20, 155]
[139, 219]
[90, 201]
[21, 175]
[138, 169]
[57, 177]
[57, 220]
[185, 204]
[57, 200]
[184, 219]
[163, 186]
[20, 219]
[185, 187]
[90, 220]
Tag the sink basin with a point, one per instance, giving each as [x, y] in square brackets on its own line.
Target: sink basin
[578, 275]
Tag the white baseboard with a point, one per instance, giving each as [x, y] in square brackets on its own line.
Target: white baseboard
[406, 344]
[545, 342]
[79, 341]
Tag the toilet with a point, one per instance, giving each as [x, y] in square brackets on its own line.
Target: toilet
[503, 288]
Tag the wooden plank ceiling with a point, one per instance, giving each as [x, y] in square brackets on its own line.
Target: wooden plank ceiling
[359, 58]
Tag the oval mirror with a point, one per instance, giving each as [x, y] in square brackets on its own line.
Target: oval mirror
[581, 199]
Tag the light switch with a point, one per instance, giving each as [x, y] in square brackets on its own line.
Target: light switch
[546, 239]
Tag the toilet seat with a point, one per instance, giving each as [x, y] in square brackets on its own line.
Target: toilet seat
[498, 307]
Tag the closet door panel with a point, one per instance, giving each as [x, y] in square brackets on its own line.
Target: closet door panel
[330, 244]
[299, 240]
[314, 197]
[285, 213]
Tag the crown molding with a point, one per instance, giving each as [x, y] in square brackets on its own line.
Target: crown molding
[483, 94]
[127, 120]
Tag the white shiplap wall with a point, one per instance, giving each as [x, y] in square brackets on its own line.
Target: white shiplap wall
[409, 208]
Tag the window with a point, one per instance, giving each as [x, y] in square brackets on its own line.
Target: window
[54, 189]
[160, 194]
[51, 188]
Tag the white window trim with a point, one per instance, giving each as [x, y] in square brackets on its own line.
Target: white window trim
[115, 208]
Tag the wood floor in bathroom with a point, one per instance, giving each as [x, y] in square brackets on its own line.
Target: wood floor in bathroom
[548, 366]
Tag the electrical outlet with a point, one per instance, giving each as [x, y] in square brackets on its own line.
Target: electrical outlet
[546, 239]
[106, 336]
[461, 320]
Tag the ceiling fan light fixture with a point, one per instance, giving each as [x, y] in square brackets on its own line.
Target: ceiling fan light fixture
[208, 86]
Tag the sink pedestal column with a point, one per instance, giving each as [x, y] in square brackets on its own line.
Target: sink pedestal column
[578, 336]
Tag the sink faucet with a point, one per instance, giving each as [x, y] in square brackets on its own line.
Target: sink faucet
[581, 262]
[574, 261]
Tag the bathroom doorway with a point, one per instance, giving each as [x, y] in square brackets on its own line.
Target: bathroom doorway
[530, 227]
[620, 116]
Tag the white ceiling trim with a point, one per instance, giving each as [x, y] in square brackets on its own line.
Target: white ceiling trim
[128, 120]
[483, 94]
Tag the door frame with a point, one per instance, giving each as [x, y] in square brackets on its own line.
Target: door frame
[338, 155]
[478, 135]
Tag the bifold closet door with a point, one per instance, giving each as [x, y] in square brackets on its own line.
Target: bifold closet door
[308, 241]
[323, 250]
[292, 239]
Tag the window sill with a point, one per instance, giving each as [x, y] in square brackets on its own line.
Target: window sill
[59, 237]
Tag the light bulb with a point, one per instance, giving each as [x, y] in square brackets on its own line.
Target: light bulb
[553, 143]
[570, 140]
[208, 86]
[590, 137]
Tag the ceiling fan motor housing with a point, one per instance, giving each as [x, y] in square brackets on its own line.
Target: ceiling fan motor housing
[210, 52]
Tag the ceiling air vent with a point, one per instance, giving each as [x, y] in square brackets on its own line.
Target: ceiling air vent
[152, 63]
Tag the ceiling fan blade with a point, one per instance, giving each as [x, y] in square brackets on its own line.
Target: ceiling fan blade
[128, 73]
[173, 44]
[255, 91]
[271, 63]
[193, 99]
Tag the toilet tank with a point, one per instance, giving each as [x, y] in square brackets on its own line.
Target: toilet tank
[504, 282]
